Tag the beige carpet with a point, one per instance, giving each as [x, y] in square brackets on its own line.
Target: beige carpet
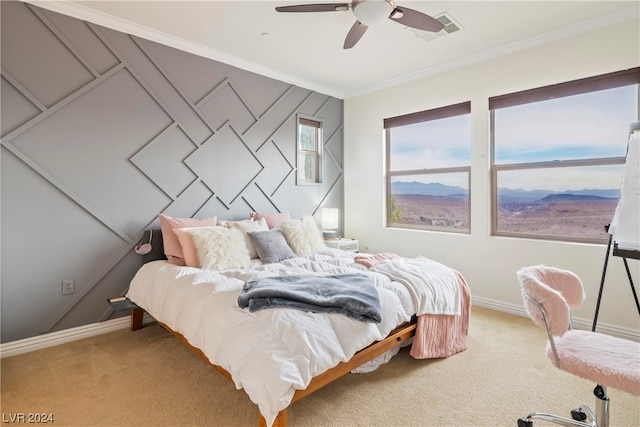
[147, 378]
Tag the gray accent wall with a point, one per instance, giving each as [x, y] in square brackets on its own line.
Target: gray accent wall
[102, 131]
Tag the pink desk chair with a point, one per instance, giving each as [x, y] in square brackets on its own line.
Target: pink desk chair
[549, 294]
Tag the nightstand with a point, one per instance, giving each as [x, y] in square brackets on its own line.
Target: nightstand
[123, 303]
[350, 245]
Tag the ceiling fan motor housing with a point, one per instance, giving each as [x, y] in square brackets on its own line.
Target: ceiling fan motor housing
[371, 12]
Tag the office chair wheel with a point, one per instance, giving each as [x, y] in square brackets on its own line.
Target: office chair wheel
[525, 422]
[578, 414]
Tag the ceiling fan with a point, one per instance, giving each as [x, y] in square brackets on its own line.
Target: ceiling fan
[368, 13]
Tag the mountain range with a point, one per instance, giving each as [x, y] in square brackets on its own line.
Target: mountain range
[505, 194]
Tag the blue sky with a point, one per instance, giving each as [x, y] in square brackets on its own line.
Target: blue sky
[433, 144]
[575, 127]
[582, 126]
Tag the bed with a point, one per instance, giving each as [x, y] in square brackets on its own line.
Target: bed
[279, 355]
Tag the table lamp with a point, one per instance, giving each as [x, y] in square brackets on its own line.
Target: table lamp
[329, 223]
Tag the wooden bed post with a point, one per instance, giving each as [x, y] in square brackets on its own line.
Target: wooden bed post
[136, 318]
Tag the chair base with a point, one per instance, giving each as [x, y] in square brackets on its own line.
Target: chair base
[580, 417]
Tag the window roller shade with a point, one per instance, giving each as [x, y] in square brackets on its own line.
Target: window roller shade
[423, 116]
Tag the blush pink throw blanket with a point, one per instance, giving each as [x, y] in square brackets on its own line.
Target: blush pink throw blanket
[442, 335]
[371, 260]
[437, 335]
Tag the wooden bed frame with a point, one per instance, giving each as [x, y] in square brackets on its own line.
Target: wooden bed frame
[398, 336]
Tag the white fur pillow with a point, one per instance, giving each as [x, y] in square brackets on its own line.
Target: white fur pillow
[303, 236]
[220, 248]
[247, 226]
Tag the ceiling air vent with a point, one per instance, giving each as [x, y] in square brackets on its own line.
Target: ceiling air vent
[450, 26]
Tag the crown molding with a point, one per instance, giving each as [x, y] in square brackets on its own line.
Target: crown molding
[88, 14]
[537, 40]
[100, 18]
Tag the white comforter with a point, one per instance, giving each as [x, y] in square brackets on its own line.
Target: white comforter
[437, 292]
[281, 348]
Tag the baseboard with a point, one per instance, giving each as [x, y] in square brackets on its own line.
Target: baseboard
[56, 338]
[578, 323]
[73, 334]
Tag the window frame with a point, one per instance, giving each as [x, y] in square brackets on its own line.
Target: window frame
[560, 90]
[453, 110]
[317, 153]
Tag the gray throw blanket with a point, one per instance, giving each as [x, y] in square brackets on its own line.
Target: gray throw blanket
[352, 295]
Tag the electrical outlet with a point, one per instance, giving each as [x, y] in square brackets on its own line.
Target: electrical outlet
[68, 287]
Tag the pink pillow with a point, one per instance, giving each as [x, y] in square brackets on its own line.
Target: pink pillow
[172, 247]
[189, 250]
[273, 219]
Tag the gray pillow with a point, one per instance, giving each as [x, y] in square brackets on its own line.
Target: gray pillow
[271, 246]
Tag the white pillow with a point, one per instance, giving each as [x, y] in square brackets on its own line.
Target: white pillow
[247, 226]
[220, 248]
[303, 236]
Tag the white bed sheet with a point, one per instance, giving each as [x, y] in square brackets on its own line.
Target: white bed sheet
[282, 348]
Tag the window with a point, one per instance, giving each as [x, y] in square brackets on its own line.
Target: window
[309, 151]
[428, 169]
[557, 157]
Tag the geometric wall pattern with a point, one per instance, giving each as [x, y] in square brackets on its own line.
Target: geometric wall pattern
[102, 131]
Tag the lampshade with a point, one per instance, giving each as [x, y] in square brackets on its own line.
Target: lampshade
[329, 218]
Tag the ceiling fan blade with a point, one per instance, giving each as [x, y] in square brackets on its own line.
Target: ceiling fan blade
[355, 34]
[414, 19]
[320, 7]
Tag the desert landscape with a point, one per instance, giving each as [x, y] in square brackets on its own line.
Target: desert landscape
[443, 212]
[580, 216]
[558, 215]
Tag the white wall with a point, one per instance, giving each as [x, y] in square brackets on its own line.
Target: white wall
[489, 263]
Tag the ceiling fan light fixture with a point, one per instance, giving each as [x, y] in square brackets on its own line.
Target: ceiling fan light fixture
[373, 12]
[369, 13]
